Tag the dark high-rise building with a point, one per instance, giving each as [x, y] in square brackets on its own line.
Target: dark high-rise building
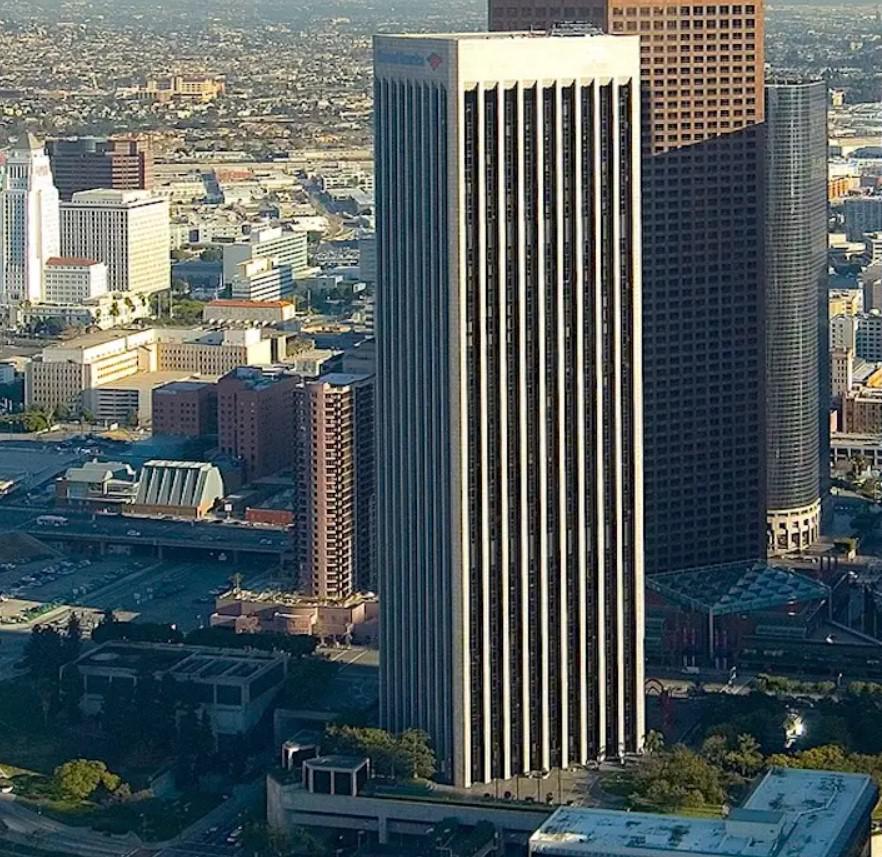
[703, 301]
[89, 163]
[796, 310]
[510, 503]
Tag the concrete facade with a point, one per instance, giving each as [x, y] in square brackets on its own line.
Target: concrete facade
[509, 397]
[73, 281]
[127, 230]
[29, 230]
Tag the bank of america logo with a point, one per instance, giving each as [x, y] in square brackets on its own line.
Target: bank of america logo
[434, 60]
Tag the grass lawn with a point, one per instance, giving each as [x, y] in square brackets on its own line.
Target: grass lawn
[30, 750]
[153, 819]
[27, 743]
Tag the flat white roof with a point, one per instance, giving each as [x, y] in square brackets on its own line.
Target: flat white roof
[464, 59]
[820, 803]
[791, 813]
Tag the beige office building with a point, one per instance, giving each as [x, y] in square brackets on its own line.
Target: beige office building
[128, 230]
[510, 499]
[65, 375]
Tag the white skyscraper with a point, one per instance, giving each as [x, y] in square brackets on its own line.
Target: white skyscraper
[28, 222]
[510, 498]
[128, 230]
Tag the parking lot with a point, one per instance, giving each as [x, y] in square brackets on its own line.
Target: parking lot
[28, 587]
[31, 465]
[135, 587]
[181, 593]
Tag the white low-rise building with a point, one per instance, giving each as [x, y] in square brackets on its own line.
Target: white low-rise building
[288, 249]
[73, 280]
[790, 813]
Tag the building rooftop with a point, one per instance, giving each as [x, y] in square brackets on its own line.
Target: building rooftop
[144, 382]
[234, 304]
[260, 377]
[739, 587]
[179, 484]
[283, 499]
[107, 196]
[343, 379]
[493, 36]
[195, 663]
[847, 439]
[185, 386]
[284, 598]
[99, 471]
[98, 337]
[337, 763]
[791, 813]
[68, 261]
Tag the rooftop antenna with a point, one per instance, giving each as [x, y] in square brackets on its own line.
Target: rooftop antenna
[575, 28]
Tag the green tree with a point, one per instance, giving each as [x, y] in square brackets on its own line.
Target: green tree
[72, 640]
[831, 729]
[714, 750]
[407, 755]
[61, 413]
[678, 778]
[212, 254]
[416, 746]
[79, 779]
[746, 758]
[653, 742]
[70, 691]
[44, 652]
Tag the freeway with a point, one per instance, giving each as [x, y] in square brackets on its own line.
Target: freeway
[214, 536]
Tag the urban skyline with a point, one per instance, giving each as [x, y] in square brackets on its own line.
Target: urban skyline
[447, 429]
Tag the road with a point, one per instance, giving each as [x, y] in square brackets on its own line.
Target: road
[213, 536]
[208, 836]
[31, 828]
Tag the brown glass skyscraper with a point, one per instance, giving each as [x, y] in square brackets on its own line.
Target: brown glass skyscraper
[89, 163]
[703, 329]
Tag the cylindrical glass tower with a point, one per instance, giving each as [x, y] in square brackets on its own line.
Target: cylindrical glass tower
[796, 274]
